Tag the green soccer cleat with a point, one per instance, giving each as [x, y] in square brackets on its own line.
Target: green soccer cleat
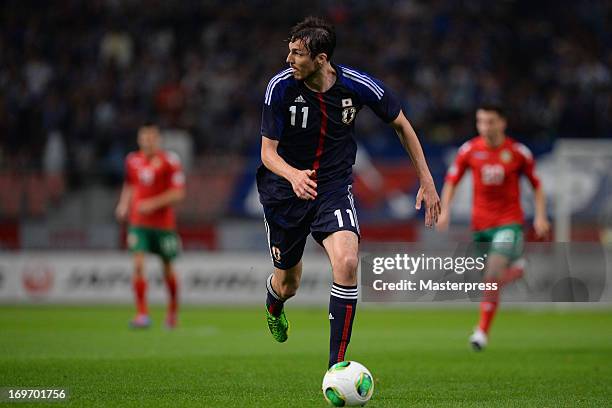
[279, 326]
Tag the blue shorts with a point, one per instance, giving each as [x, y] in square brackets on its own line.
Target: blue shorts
[289, 223]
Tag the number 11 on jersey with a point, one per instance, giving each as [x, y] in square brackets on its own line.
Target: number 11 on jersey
[293, 110]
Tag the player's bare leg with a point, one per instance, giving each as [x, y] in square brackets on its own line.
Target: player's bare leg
[342, 248]
[514, 272]
[139, 284]
[497, 264]
[172, 287]
[281, 285]
[286, 282]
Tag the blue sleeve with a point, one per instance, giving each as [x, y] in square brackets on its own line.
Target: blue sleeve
[387, 106]
[373, 93]
[272, 116]
[272, 122]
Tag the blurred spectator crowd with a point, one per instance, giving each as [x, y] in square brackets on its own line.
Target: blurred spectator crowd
[78, 77]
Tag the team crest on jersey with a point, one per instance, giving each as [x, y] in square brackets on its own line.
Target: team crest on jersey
[505, 156]
[348, 114]
[146, 176]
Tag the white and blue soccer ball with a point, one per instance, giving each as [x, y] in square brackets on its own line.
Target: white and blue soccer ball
[348, 384]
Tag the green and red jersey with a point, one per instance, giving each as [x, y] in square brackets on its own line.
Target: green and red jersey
[149, 177]
[496, 174]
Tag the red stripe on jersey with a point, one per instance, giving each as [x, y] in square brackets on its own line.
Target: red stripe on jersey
[345, 330]
[322, 133]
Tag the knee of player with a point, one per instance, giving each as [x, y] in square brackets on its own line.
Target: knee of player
[496, 265]
[138, 267]
[347, 265]
[167, 268]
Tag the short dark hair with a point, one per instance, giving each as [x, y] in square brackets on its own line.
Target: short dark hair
[148, 123]
[318, 35]
[493, 107]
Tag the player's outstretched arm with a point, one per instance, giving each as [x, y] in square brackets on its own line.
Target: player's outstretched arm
[124, 202]
[448, 193]
[427, 190]
[540, 220]
[302, 181]
[171, 196]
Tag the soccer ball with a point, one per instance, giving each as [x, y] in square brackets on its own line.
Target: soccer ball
[348, 384]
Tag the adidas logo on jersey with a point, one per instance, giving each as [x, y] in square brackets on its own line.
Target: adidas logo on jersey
[299, 99]
[331, 317]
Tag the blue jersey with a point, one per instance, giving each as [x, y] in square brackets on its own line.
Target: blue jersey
[316, 130]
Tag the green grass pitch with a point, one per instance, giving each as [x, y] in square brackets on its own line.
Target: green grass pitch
[226, 358]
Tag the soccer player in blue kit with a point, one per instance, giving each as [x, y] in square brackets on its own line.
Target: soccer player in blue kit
[304, 184]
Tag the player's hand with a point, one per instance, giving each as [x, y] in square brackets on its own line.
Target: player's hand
[304, 185]
[121, 212]
[541, 227]
[428, 194]
[146, 207]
